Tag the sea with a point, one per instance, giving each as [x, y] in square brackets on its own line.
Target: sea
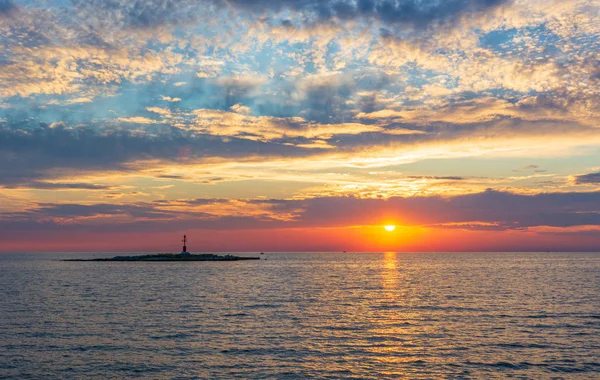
[301, 316]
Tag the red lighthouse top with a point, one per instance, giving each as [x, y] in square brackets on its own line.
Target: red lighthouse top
[184, 250]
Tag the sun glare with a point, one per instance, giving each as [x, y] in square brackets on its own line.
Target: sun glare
[390, 228]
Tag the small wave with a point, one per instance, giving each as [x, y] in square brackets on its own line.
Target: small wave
[521, 345]
[505, 365]
[263, 351]
[344, 328]
[180, 335]
[563, 369]
[264, 306]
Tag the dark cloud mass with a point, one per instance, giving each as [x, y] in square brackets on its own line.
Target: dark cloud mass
[28, 153]
[136, 13]
[151, 13]
[389, 11]
[587, 179]
[6, 7]
[60, 186]
[506, 210]
[77, 210]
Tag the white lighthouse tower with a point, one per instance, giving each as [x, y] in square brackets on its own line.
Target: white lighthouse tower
[184, 250]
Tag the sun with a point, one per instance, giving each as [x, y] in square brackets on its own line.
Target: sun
[389, 228]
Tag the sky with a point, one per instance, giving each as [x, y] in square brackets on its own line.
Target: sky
[300, 125]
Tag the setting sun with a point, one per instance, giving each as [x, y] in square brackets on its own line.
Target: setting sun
[390, 228]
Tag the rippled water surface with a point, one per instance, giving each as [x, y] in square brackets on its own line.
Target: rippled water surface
[301, 315]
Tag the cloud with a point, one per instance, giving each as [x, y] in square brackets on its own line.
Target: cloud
[164, 112]
[263, 128]
[55, 69]
[588, 179]
[241, 109]
[59, 186]
[137, 120]
[170, 99]
[76, 211]
[443, 178]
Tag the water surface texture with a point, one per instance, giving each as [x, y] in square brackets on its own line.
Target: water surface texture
[303, 315]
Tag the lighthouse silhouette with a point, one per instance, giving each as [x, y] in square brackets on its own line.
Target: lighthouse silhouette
[184, 250]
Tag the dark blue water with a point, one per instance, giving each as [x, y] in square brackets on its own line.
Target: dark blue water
[421, 315]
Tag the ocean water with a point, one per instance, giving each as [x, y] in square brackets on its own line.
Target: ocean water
[303, 315]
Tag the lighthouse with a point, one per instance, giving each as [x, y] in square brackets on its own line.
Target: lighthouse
[184, 250]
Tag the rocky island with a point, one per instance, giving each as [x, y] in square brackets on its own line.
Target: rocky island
[172, 257]
[183, 256]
